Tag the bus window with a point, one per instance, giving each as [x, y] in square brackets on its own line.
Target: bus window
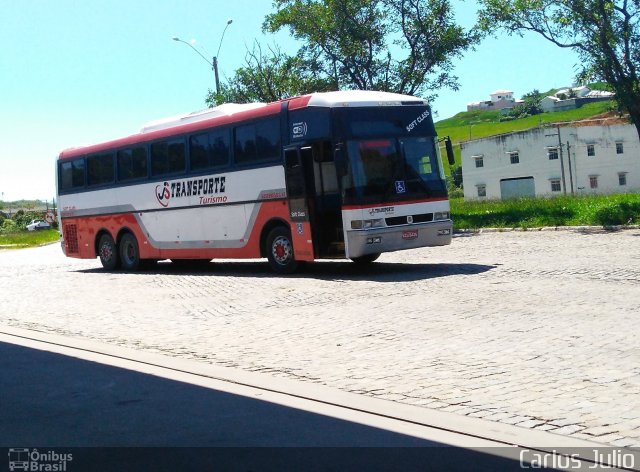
[167, 157]
[132, 163]
[100, 169]
[257, 142]
[72, 174]
[209, 150]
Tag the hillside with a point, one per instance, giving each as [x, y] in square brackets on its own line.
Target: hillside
[476, 124]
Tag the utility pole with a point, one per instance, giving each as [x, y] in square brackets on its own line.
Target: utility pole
[564, 182]
[570, 169]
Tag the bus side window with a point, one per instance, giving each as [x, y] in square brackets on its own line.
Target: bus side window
[100, 169]
[72, 174]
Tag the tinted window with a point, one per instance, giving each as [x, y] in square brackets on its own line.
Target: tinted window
[167, 157]
[209, 150]
[132, 163]
[258, 142]
[100, 169]
[72, 174]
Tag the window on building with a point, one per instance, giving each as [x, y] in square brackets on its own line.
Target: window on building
[482, 190]
[591, 150]
[552, 153]
[555, 185]
[514, 156]
[622, 179]
[619, 148]
[593, 181]
[479, 160]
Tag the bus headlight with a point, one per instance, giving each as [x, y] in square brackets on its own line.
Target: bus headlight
[441, 215]
[367, 224]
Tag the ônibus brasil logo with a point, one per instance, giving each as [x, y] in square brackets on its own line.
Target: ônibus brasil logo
[203, 188]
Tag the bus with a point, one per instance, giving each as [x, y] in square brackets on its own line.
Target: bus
[347, 174]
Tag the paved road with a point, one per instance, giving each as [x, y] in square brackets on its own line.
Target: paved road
[536, 329]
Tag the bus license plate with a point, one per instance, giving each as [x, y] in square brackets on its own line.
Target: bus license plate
[409, 235]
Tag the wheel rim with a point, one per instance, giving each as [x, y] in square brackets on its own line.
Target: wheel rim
[129, 253]
[282, 250]
[106, 252]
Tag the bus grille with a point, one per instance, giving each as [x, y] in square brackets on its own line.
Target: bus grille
[71, 238]
[405, 220]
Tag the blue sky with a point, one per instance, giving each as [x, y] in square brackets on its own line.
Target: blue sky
[78, 72]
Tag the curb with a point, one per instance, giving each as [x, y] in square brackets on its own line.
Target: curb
[581, 229]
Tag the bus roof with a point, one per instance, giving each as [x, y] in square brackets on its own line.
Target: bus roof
[234, 112]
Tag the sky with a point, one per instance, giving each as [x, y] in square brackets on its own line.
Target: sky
[76, 72]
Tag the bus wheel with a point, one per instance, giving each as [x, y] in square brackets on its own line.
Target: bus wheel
[129, 253]
[280, 251]
[108, 253]
[366, 259]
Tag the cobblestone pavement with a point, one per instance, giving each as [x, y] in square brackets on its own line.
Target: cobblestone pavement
[537, 329]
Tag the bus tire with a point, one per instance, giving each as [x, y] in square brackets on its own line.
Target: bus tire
[280, 251]
[366, 259]
[129, 252]
[108, 252]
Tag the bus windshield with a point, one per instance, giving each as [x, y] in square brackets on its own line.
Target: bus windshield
[393, 169]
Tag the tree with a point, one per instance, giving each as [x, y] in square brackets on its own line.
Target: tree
[269, 77]
[605, 33]
[356, 43]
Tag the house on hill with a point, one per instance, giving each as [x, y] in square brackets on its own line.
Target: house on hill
[572, 98]
[580, 158]
[500, 99]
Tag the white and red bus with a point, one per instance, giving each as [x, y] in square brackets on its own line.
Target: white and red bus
[348, 174]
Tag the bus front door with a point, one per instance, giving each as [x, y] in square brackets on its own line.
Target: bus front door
[298, 173]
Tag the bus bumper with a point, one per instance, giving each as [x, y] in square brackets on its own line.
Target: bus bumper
[397, 238]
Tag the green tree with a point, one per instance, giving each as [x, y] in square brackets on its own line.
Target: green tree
[605, 33]
[402, 46]
[268, 77]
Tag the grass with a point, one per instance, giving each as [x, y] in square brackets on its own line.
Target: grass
[24, 239]
[600, 210]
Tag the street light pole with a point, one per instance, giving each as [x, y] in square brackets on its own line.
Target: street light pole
[215, 58]
[214, 62]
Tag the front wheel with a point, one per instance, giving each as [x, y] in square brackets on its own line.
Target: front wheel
[108, 252]
[129, 252]
[280, 251]
[366, 259]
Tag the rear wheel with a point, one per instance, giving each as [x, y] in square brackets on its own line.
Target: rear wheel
[129, 252]
[280, 251]
[366, 259]
[108, 252]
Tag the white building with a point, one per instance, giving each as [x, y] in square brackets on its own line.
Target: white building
[550, 161]
[571, 98]
[499, 99]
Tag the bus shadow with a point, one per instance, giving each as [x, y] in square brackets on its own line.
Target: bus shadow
[321, 270]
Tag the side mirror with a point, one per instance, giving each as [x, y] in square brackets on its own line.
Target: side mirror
[449, 147]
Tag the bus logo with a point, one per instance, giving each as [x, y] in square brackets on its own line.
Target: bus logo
[18, 459]
[299, 129]
[163, 194]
